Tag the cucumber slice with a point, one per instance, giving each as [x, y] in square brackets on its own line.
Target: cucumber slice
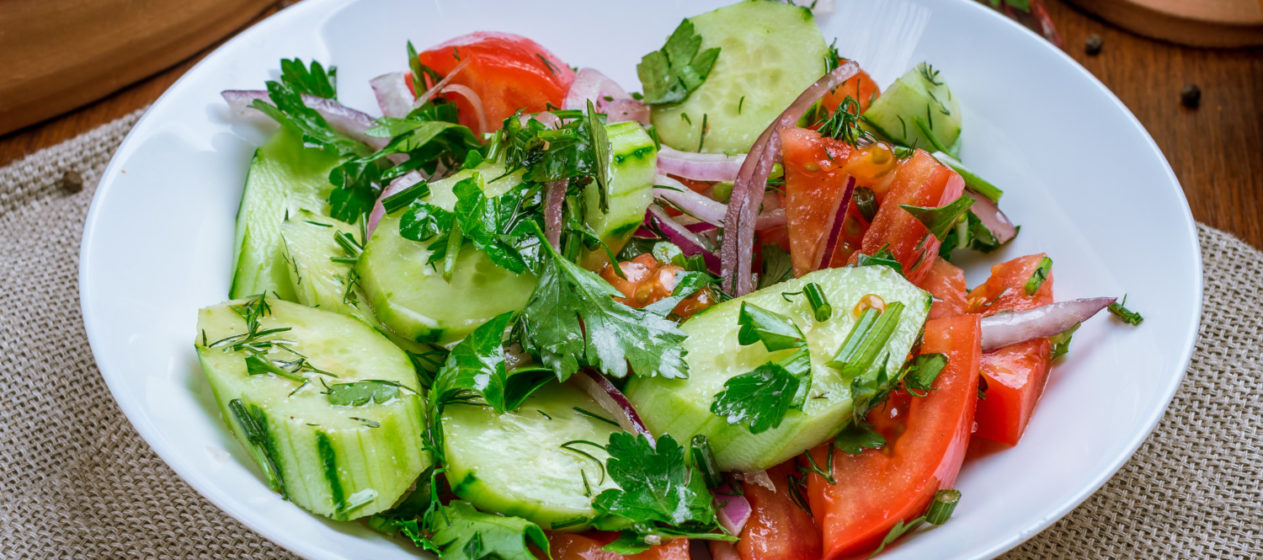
[284, 177]
[515, 463]
[918, 110]
[412, 299]
[633, 166]
[310, 247]
[769, 53]
[340, 461]
[681, 407]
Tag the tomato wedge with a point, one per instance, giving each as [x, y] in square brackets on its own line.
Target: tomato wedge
[860, 87]
[507, 72]
[1014, 375]
[919, 181]
[926, 442]
[814, 184]
[778, 528]
[587, 546]
[946, 283]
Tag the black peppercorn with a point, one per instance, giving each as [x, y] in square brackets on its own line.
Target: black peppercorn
[1093, 45]
[1191, 96]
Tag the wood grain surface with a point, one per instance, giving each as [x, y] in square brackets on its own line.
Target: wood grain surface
[1216, 150]
[1210, 23]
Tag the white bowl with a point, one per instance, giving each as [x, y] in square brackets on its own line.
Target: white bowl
[1083, 178]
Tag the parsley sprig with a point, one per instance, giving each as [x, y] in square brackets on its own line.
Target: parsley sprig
[670, 74]
[763, 396]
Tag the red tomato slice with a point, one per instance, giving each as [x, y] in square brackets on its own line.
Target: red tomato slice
[860, 86]
[508, 72]
[920, 181]
[814, 183]
[1015, 375]
[926, 442]
[778, 529]
[587, 546]
[946, 283]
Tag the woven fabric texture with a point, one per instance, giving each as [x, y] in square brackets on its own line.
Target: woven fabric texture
[76, 481]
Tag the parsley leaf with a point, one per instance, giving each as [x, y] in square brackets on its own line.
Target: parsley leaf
[857, 437]
[477, 365]
[572, 319]
[1037, 278]
[464, 533]
[775, 331]
[657, 487]
[360, 393]
[761, 398]
[669, 75]
[1119, 309]
[883, 257]
[919, 375]
[940, 220]
[311, 81]
[970, 233]
[777, 266]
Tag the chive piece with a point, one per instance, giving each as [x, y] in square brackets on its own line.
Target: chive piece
[1038, 277]
[942, 507]
[1119, 309]
[819, 305]
[403, 198]
[852, 342]
[857, 356]
[704, 460]
[348, 244]
[454, 241]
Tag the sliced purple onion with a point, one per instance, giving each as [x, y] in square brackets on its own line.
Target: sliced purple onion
[1005, 328]
[751, 183]
[732, 509]
[758, 478]
[625, 110]
[701, 227]
[474, 101]
[687, 241]
[699, 167]
[835, 227]
[990, 215]
[438, 87]
[343, 119]
[402, 182]
[612, 401]
[554, 197]
[591, 85]
[706, 208]
[394, 97]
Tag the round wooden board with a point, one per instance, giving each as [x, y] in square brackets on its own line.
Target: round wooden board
[1202, 23]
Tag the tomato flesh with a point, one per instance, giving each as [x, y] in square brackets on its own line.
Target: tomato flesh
[778, 529]
[587, 546]
[946, 282]
[919, 181]
[815, 181]
[926, 442]
[860, 87]
[508, 72]
[1014, 375]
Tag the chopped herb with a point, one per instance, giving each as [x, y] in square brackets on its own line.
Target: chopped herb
[669, 75]
[775, 331]
[547, 63]
[361, 393]
[1061, 343]
[1128, 316]
[477, 366]
[310, 80]
[939, 511]
[866, 200]
[882, 257]
[704, 460]
[1039, 276]
[403, 198]
[820, 307]
[857, 437]
[844, 124]
[464, 533]
[777, 266]
[866, 341]
[761, 398]
[919, 375]
[940, 220]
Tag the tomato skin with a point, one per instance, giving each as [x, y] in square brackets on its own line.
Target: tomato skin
[507, 72]
[919, 181]
[926, 443]
[815, 181]
[778, 529]
[946, 283]
[1015, 375]
[860, 86]
[587, 546]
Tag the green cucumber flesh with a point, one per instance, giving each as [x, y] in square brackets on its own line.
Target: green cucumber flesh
[769, 53]
[316, 279]
[633, 167]
[515, 463]
[340, 461]
[284, 177]
[682, 407]
[918, 110]
[412, 298]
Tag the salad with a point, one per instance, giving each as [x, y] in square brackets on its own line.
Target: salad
[526, 314]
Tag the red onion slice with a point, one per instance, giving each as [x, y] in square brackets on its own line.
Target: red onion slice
[835, 228]
[343, 119]
[1005, 328]
[699, 167]
[402, 182]
[474, 100]
[554, 197]
[687, 241]
[438, 87]
[612, 401]
[394, 97]
[732, 509]
[990, 215]
[706, 208]
[624, 110]
[759, 478]
[751, 183]
[591, 85]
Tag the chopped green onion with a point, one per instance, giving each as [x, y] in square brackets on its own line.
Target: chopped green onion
[866, 340]
[1038, 277]
[704, 460]
[1119, 309]
[819, 305]
[942, 507]
[405, 197]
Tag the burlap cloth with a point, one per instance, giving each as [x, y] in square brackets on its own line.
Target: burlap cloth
[77, 482]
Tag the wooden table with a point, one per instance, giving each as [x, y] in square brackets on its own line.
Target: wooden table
[1216, 150]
